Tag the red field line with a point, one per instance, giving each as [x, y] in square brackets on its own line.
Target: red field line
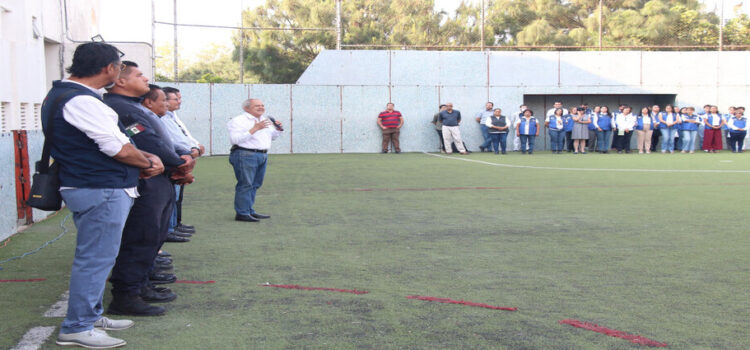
[194, 282]
[296, 286]
[633, 338]
[460, 302]
[26, 280]
[426, 189]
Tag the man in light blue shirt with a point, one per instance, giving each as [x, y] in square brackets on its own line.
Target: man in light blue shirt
[481, 118]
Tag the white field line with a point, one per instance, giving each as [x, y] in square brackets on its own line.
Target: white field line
[34, 338]
[60, 308]
[589, 169]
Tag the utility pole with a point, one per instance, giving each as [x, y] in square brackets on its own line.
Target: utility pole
[175, 41]
[338, 24]
[721, 28]
[481, 28]
[601, 21]
[242, 44]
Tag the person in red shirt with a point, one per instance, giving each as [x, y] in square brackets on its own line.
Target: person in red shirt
[390, 121]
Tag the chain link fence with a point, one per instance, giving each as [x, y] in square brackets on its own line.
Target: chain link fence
[276, 41]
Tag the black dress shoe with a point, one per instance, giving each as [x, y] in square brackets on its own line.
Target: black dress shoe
[153, 287]
[182, 234]
[133, 305]
[164, 253]
[162, 268]
[260, 216]
[161, 278]
[246, 218]
[186, 228]
[160, 260]
[171, 237]
[151, 296]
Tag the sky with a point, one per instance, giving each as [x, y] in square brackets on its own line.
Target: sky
[130, 20]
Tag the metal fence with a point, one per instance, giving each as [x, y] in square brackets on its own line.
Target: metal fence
[485, 25]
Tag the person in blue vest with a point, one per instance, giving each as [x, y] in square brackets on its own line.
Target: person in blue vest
[655, 111]
[713, 122]
[725, 128]
[591, 143]
[603, 125]
[527, 129]
[99, 170]
[690, 122]
[568, 128]
[737, 130]
[644, 127]
[668, 121]
[147, 225]
[702, 126]
[556, 125]
[498, 126]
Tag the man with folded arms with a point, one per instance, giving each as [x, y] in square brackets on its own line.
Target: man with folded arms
[251, 134]
[99, 170]
[146, 227]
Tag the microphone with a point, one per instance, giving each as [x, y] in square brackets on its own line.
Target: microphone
[277, 126]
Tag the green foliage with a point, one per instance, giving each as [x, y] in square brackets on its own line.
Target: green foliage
[280, 56]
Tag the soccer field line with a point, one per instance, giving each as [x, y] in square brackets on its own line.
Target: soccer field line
[590, 169]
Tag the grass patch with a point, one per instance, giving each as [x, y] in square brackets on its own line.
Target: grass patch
[659, 254]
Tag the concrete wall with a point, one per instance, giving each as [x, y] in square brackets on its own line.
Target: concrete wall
[334, 104]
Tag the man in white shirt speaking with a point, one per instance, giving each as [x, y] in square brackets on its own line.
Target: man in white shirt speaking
[251, 134]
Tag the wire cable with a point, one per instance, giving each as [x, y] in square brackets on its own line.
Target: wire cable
[64, 231]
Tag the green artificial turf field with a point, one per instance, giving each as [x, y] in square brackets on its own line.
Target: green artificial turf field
[654, 245]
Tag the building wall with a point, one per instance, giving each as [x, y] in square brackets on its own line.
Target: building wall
[33, 51]
[334, 104]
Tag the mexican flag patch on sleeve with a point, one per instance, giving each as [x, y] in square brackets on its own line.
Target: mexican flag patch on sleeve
[134, 129]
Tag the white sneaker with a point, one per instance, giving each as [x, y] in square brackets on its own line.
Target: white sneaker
[113, 325]
[91, 339]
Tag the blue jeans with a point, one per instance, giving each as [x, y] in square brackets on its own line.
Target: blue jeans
[499, 141]
[173, 219]
[527, 140]
[99, 215]
[486, 135]
[557, 139]
[249, 169]
[688, 140]
[602, 139]
[667, 142]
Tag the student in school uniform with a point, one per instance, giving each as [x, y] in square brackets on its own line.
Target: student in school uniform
[712, 135]
[644, 128]
[668, 121]
[655, 111]
[527, 129]
[624, 124]
[498, 126]
[568, 127]
[690, 122]
[580, 130]
[725, 128]
[702, 126]
[737, 131]
[556, 125]
[591, 143]
[602, 123]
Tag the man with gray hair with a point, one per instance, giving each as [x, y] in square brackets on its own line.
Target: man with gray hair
[251, 134]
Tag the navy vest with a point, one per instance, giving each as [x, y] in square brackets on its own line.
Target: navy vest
[82, 165]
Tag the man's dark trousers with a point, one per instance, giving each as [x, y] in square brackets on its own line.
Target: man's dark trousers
[145, 231]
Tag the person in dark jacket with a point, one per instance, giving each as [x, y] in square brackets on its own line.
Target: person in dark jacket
[146, 227]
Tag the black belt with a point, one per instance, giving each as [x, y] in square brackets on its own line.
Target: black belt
[235, 147]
